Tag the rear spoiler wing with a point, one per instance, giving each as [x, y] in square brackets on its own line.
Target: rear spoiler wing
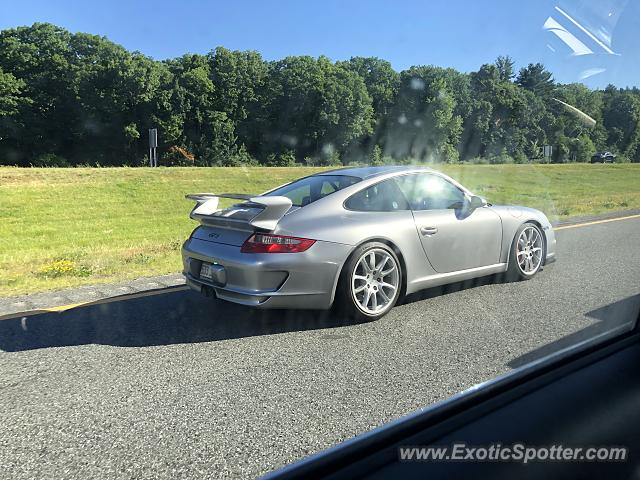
[272, 209]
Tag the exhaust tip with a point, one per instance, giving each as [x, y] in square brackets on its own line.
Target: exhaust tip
[208, 291]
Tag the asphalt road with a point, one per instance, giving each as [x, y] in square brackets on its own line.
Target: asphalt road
[176, 386]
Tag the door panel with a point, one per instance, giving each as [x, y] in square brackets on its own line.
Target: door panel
[453, 236]
[453, 241]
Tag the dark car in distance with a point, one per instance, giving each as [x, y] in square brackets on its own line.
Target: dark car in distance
[602, 157]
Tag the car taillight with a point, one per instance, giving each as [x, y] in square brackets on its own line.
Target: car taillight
[266, 243]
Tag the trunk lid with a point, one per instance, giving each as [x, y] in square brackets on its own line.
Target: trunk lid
[224, 235]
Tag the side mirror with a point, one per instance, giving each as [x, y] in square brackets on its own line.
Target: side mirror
[477, 202]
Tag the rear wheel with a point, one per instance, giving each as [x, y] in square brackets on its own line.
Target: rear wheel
[370, 282]
[527, 253]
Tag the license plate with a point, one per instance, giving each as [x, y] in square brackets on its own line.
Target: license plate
[206, 271]
[213, 273]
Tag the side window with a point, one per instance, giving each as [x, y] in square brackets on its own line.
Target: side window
[430, 192]
[381, 197]
[309, 189]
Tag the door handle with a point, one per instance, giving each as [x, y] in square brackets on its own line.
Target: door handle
[428, 230]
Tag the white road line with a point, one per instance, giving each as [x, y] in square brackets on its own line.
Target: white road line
[595, 222]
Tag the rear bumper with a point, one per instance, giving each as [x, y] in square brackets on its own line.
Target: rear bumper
[274, 280]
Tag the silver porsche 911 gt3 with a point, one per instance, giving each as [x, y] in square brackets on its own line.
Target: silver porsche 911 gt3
[359, 239]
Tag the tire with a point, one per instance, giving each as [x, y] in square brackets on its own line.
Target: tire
[356, 282]
[526, 257]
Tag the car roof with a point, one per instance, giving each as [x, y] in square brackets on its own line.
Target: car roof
[368, 171]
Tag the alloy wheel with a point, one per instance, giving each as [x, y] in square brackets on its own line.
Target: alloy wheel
[529, 250]
[375, 281]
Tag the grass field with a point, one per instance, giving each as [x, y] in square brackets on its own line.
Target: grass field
[64, 227]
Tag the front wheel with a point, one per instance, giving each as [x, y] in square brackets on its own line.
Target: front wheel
[527, 253]
[370, 282]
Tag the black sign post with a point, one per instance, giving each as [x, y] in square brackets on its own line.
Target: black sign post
[153, 147]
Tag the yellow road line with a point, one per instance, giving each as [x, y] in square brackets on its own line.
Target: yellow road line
[62, 308]
[595, 222]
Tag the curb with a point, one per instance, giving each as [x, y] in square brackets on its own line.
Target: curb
[46, 301]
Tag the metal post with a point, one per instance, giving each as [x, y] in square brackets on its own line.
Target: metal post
[153, 147]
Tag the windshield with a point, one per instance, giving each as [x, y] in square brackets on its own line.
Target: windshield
[307, 190]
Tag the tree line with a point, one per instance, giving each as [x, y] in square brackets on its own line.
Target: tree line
[80, 99]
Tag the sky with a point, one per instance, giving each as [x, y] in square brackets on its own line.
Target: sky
[591, 41]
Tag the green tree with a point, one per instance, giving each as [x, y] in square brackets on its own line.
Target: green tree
[10, 94]
[505, 64]
[621, 118]
[315, 105]
[40, 58]
[347, 112]
[536, 78]
[425, 125]
[205, 132]
[586, 100]
[381, 80]
[120, 95]
[505, 117]
[12, 105]
[240, 79]
[70, 98]
[218, 143]
[87, 95]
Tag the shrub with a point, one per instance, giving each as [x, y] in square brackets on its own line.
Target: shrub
[241, 157]
[409, 161]
[355, 163]
[333, 160]
[50, 160]
[449, 153]
[520, 157]
[477, 161]
[501, 158]
[286, 159]
[375, 158]
[328, 158]
[622, 158]
[633, 151]
[561, 150]
[581, 149]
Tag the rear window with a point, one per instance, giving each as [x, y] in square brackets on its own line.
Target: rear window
[309, 189]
